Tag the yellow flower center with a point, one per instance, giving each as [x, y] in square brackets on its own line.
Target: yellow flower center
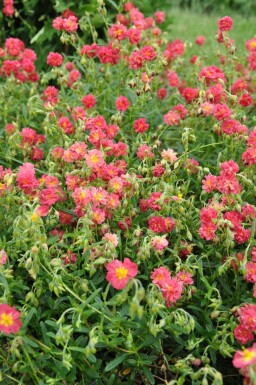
[248, 355]
[121, 272]
[116, 185]
[98, 196]
[6, 319]
[94, 159]
[34, 217]
[180, 197]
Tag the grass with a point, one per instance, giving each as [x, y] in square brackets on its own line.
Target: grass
[188, 24]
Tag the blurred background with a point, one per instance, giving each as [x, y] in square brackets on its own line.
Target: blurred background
[185, 19]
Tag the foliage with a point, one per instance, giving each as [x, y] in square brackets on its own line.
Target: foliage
[245, 7]
[32, 22]
[122, 155]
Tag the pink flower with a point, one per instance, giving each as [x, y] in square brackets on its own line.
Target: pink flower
[122, 103]
[172, 118]
[181, 110]
[173, 79]
[221, 111]
[247, 316]
[89, 101]
[69, 258]
[70, 24]
[148, 53]
[225, 23]
[191, 165]
[111, 239]
[250, 272]
[210, 183]
[161, 93]
[117, 31]
[200, 40]
[116, 184]
[82, 197]
[134, 35]
[98, 196]
[3, 257]
[189, 94]
[42, 211]
[158, 170]
[171, 290]
[49, 196]
[159, 243]
[253, 253]
[207, 108]
[160, 275]
[94, 158]
[140, 125]
[251, 44]
[9, 319]
[185, 277]
[169, 155]
[242, 335]
[14, 46]
[98, 216]
[159, 17]
[144, 152]
[58, 23]
[241, 235]
[244, 358]
[54, 59]
[26, 178]
[159, 224]
[119, 273]
[65, 123]
[8, 9]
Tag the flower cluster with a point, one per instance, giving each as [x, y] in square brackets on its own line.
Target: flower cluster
[171, 288]
[18, 61]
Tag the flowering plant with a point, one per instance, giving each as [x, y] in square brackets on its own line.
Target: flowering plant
[127, 190]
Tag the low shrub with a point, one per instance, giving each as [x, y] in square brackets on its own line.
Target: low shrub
[128, 208]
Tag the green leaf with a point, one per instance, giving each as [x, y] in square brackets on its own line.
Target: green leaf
[111, 2]
[37, 35]
[148, 375]
[29, 316]
[113, 364]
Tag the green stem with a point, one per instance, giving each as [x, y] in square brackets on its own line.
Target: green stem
[31, 366]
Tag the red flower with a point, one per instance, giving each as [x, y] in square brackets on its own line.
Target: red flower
[247, 315]
[136, 60]
[159, 17]
[134, 36]
[122, 103]
[54, 59]
[70, 24]
[200, 40]
[225, 24]
[26, 179]
[89, 101]
[9, 319]
[242, 335]
[14, 46]
[119, 273]
[140, 125]
[117, 31]
[171, 290]
[148, 53]
[160, 224]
